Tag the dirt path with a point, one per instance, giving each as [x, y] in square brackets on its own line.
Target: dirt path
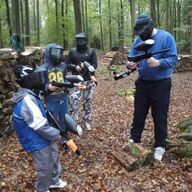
[96, 169]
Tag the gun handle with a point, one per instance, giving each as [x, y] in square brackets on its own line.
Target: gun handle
[71, 144]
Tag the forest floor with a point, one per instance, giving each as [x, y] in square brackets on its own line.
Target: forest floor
[96, 170]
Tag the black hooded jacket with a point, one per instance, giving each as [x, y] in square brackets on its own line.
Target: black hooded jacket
[76, 56]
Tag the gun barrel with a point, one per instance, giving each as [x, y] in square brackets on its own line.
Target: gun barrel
[123, 74]
[161, 51]
[62, 85]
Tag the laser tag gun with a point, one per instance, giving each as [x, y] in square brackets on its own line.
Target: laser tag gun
[143, 46]
[71, 126]
[72, 81]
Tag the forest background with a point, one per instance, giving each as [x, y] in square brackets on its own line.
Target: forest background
[108, 23]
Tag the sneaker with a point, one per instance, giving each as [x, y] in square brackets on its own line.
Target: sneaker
[59, 184]
[131, 141]
[87, 126]
[159, 152]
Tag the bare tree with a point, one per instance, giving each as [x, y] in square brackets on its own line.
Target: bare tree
[100, 24]
[27, 23]
[38, 24]
[22, 22]
[168, 15]
[77, 11]
[132, 12]
[1, 35]
[110, 27]
[121, 26]
[153, 12]
[8, 17]
[16, 17]
[56, 18]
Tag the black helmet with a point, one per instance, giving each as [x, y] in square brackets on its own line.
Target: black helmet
[56, 54]
[29, 77]
[81, 41]
[143, 26]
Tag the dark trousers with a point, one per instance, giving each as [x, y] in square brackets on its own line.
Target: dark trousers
[154, 94]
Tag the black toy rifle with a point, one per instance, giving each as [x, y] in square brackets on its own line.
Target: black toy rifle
[72, 81]
[143, 46]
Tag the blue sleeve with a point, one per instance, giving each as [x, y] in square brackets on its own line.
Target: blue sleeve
[33, 116]
[170, 58]
[133, 51]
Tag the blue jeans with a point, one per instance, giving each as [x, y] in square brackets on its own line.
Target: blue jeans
[154, 94]
[59, 109]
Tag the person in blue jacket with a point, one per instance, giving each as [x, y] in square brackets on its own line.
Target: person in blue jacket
[33, 129]
[55, 98]
[153, 85]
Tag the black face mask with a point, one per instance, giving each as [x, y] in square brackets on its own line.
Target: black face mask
[146, 34]
[144, 31]
[81, 43]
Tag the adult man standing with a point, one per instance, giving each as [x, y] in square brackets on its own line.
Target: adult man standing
[75, 61]
[153, 85]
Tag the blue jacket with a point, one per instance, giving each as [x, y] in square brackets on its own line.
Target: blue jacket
[168, 60]
[30, 121]
[55, 73]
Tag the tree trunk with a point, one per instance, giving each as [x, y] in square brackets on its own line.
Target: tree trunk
[34, 16]
[8, 17]
[27, 23]
[178, 19]
[120, 26]
[77, 11]
[22, 23]
[86, 17]
[1, 35]
[132, 11]
[100, 24]
[38, 24]
[168, 15]
[16, 17]
[63, 20]
[83, 14]
[153, 12]
[57, 20]
[158, 14]
[110, 27]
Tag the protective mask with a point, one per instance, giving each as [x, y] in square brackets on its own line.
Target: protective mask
[56, 55]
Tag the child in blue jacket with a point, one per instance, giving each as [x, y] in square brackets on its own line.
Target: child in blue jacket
[33, 130]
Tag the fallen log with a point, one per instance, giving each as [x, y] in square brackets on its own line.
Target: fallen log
[133, 156]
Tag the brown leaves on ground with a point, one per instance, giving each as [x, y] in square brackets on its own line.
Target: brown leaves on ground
[97, 169]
